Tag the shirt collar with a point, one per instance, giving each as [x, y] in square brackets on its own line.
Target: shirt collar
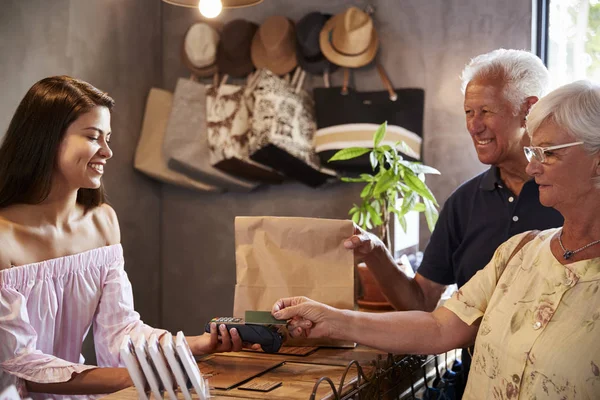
[491, 179]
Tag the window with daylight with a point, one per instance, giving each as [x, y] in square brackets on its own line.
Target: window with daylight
[571, 30]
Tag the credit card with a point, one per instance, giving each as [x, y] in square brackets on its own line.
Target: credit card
[262, 318]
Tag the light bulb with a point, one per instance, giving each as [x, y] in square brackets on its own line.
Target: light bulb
[210, 8]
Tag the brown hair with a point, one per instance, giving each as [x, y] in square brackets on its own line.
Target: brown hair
[29, 152]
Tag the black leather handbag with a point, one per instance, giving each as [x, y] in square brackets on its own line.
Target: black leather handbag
[348, 118]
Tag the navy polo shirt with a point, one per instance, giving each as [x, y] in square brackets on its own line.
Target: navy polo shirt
[477, 218]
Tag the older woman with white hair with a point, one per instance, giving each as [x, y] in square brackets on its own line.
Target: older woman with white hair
[534, 310]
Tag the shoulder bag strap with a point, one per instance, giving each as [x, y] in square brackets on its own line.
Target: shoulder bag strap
[386, 82]
[528, 238]
[300, 81]
[384, 79]
[346, 81]
[326, 78]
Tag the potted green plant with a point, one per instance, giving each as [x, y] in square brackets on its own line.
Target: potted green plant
[396, 187]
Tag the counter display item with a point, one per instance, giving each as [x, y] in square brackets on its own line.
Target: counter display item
[143, 357]
[191, 367]
[161, 366]
[127, 352]
[168, 348]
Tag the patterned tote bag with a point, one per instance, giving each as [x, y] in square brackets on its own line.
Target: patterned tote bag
[228, 117]
[186, 142]
[283, 126]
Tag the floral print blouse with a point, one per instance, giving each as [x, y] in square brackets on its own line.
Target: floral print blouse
[539, 337]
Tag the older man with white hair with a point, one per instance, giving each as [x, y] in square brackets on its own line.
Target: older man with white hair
[499, 87]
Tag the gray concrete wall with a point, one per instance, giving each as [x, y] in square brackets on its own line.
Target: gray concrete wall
[424, 43]
[115, 46]
[180, 251]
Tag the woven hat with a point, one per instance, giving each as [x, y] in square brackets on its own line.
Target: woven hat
[349, 39]
[308, 50]
[274, 47]
[199, 49]
[233, 52]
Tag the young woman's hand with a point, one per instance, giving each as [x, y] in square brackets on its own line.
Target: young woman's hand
[217, 341]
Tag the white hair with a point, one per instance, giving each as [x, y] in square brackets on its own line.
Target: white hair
[574, 107]
[522, 73]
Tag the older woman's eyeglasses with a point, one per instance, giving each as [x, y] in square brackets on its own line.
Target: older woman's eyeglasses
[539, 153]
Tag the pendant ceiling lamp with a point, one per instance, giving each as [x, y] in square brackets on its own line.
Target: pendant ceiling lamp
[212, 8]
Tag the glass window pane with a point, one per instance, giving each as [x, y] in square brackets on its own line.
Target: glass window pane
[574, 40]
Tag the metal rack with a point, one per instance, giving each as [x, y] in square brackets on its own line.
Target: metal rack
[394, 377]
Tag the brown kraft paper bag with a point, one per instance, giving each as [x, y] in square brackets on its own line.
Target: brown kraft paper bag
[288, 256]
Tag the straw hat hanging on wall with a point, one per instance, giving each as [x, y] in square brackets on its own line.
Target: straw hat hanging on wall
[274, 45]
[349, 39]
[199, 49]
[233, 53]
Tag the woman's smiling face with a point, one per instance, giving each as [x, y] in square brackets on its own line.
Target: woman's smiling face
[84, 150]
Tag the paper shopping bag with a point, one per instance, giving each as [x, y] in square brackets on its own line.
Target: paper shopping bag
[286, 256]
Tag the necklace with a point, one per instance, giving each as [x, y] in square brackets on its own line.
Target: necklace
[569, 253]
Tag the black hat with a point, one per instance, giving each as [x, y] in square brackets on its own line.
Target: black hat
[233, 51]
[308, 50]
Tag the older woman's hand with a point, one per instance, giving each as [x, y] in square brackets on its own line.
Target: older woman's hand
[362, 242]
[305, 317]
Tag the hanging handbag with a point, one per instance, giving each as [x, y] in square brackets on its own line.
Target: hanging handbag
[348, 118]
[228, 113]
[149, 156]
[186, 142]
[284, 124]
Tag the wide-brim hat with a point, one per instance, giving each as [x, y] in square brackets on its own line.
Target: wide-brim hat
[274, 46]
[349, 39]
[308, 49]
[199, 49]
[233, 52]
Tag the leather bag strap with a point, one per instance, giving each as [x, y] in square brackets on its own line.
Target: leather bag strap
[528, 238]
[384, 79]
[386, 82]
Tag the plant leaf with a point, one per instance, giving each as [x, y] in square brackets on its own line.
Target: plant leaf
[409, 202]
[402, 222]
[379, 134]
[374, 215]
[404, 148]
[419, 168]
[373, 159]
[367, 219]
[376, 206]
[385, 182]
[348, 179]
[419, 207]
[366, 191]
[431, 213]
[349, 153]
[418, 186]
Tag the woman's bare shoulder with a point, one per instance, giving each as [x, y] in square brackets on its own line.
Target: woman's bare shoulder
[7, 239]
[107, 222]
